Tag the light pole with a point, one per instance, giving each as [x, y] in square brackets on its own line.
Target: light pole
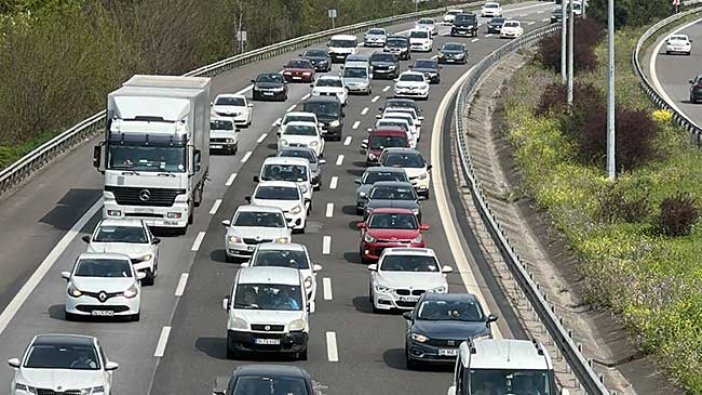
[611, 136]
[563, 41]
[571, 71]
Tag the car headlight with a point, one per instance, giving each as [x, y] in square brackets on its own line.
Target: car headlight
[131, 292]
[417, 239]
[234, 239]
[297, 325]
[279, 89]
[369, 239]
[308, 282]
[424, 176]
[281, 240]
[74, 292]
[283, 142]
[372, 156]
[391, 67]
[146, 257]
[314, 144]
[229, 140]
[418, 337]
[470, 26]
[334, 123]
[382, 288]
[238, 323]
[296, 209]
[362, 194]
[26, 388]
[439, 290]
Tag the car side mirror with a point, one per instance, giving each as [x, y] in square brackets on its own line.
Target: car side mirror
[66, 275]
[316, 267]
[278, 122]
[379, 116]
[311, 85]
[156, 241]
[253, 81]
[491, 318]
[361, 225]
[424, 227]
[14, 362]
[421, 117]
[225, 304]
[86, 238]
[407, 315]
[373, 267]
[357, 181]
[218, 393]
[227, 223]
[256, 179]
[140, 275]
[322, 161]
[446, 269]
[248, 199]
[691, 81]
[111, 366]
[429, 167]
[250, 105]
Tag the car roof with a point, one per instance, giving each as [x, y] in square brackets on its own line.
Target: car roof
[269, 275]
[281, 246]
[388, 210]
[401, 150]
[411, 72]
[400, 100]
[329, 77]
[409, 251]
[343, 37]
[230, 95]
[323, 99]
[103, 255]
[507, 354]
[355, 64]
[459, 297]
[271, 370]
[384, 169]
[392, 184]
[218, 118]
[388, 130]
[63, 339]
[250, 208]
[121, 222]
[286, 160]
[289, 184]
[301, 114]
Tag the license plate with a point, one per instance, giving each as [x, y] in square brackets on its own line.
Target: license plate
[297, 78]
[251, 248]
[269, 342]
[103, 313]
[409, 298]
[449, 352]
[268, 93]
[216, 146]
[143, 210]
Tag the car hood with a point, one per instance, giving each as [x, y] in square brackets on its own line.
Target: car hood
[393, 234]
[416, 40]
[414, 172]
[509, 28]
[257, 231]
[222, 133]
[426, 71]
[677, 42]
[328, 89]
[381, 63]
[268, 85]
[132, 250]
[315, 58]
[392, 203]
[449, 329]
[297, 139]
[228, 110]
[270, 317]
[451, 52]
[63, 378]
[95, 284]
[348, 80]
[375, 35]
[342, 49]
[421, 280]
[410, 84]
[297, 70]
[285, 205]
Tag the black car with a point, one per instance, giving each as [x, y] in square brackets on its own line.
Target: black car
[696, 89]
[270, 86]
[384, 65]
[265, 379]
[430, 69]
[440, 323]
[329, 113]
[453, 53]
[396, 102]
[399, 46]
[319, 58]
[495, 24]
[392, 194]
[557, 13]
[465, 24]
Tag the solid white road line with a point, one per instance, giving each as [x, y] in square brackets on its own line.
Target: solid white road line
[230, 180]
[333, 182]
[387, 88]
[474, 40]
[332, 350]
[488, 35]
[198, 240]
[375, 99]
[348, 140]
[162, 341]
[291, 108]
[263, 137]
[20, 297]
[356, 125]
[307, 96]
[326, 282]
[180, 288]
[246, 157]
[460, 257]
[340, 160]
[215, 206]
[326, 245]
[245, 90]
[364, 111]
[330, 210]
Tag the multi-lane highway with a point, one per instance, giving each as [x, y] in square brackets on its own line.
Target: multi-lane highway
[179, 345]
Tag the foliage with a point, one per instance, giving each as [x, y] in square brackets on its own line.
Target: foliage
[623, 204]
[588, 33]
[678, 215]
[662, 116]
[631, 12]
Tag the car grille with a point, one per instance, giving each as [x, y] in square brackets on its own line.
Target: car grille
[406, 292]
[95, 294]
[271, 328]
[218, 140]
[446, 343]
[135, 196]
[406, 304]
[327, 94]
[46, 391]
[254, 241]
[89, 308]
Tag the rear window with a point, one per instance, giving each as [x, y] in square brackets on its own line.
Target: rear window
[231, 101]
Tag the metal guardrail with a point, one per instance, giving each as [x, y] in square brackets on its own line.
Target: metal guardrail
[680, 118]
[591, 382]
[18, 171]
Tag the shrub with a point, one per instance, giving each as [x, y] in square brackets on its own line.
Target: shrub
[616, 206]
[678, 215]
[587, 33]
[662, 116]
[585, 96]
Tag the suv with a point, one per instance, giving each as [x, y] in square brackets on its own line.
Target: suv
[384, 65]
[399, 46]
[267, 312]
[465, 24]
[329, 113]
[379, 139]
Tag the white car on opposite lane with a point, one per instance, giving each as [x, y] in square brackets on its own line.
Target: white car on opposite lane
[491, 9]
[233, 106]
[428, 25]
[412, 84]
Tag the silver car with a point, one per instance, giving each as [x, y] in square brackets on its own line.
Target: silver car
[315, 162]
[370, 177]
[357, 77]
[375, 37]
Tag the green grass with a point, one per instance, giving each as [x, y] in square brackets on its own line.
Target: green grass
[653, 283]
[10, 154]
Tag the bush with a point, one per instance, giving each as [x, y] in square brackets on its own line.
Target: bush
[631, 12]
[587, 33]
[585, 97]
[616, 206]
[678, 215]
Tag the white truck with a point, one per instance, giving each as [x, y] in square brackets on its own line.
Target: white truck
[155, 156]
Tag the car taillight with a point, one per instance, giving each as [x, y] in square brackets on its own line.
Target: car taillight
[699, 85]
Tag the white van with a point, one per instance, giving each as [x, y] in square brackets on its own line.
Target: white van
[341, 46]
[267, 312]
[279, 168]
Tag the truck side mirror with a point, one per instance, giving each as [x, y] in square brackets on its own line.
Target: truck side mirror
[97, 157]
[197, 164]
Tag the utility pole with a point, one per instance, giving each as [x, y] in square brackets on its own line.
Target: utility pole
[611, 135]
[563, 41]
[571, 71]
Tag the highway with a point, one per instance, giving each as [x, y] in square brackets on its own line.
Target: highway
[178, 346]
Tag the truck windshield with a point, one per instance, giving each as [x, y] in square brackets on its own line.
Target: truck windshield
[507, 381]
[149, 158]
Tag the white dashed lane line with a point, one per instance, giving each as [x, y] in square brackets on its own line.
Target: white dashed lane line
[375, 99]
[326, 283]
[330, 210]
[198, 240]
[356, 125]
[291, 108]
[531, 23]
[326, 245]
[364, 111]
[263, 137]
[340, 160]
[333, 182]
[348, 140]
[230, 180]
[387, 88]
[540, 12]
[488, 35]
[246, 157]
[307, 96]
[163, 340]
[474, 40]
[180, 288]
[332, 350]
[215, 206]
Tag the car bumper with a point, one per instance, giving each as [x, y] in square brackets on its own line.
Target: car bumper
[384, 73]
[462, 32]
[320, 66]
[374, 42]
[420, 47]
[423, 352]
[239, 250]
[358, 88]
[451, 59]
[339, 57]
[372, 251]
[393, 301]
[508, 35]
[113, 307]
[296, 221]
[678, 49]
[332, 131]
[270, 95]
[298, 78]
[412, 93]
[291, 342]
[219, 146]
[175, 216]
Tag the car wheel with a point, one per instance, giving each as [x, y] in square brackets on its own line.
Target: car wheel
[150, 278]
[135, 317]
[71, 317]
[667, 52]
[231, 352]
[411, 365]
[302, 355]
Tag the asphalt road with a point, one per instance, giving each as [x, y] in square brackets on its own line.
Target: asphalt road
[41, 229]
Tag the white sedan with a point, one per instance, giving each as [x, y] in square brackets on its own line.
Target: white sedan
[402, 275]
[302, 134]
[103, 285]
[412, 84]
[678, 43]
[428, 25]
[251, 225]
[450, 16]
[330, 85]
[491, 9]
[235, 107]
[511, 29]
[287, 196]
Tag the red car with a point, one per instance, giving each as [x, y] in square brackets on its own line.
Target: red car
[380, 139]
[389, 227]
[299, 70]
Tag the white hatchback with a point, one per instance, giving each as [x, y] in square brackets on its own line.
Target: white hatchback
[678, 43]
[420, 40]
[491, 9]
[302, 134]
[412, 84]
[252, 225]
[511, 29]
[288, 197]
[330, 85]
[233, 106]
[413, 163]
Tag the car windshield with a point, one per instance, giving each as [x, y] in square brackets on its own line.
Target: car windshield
[450, 310]
[497, 21]
[412, 77]
[465, 18]
[382, 57]
[103, 268]
[262, 219]
[298, 118]
[403, 111]
[357, 58]
[376, 32]
[491, 5]
[393, 221]
[293, 173]
[425, 22]
[268, 297]
[316, 53]
[60, 356]
[221, 125]
[333, 82]
[230, 101]
[397, 42]
[409, 263]
[328, 109]
[296, 259]
[121, 234]
[374, 176]
[508, 381]
[299, 64]
[355, 72]
[510, 24]
[453, 47]
[299, 153]
[379, 142]
[414, 161]
[387, 122]
[147, 158]
[267, 385]
[277, 193]
[425, 64]
[270, 78]
[300, 130]
[342, 43]
[681, 38]
[419, 34]
[393, 192]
